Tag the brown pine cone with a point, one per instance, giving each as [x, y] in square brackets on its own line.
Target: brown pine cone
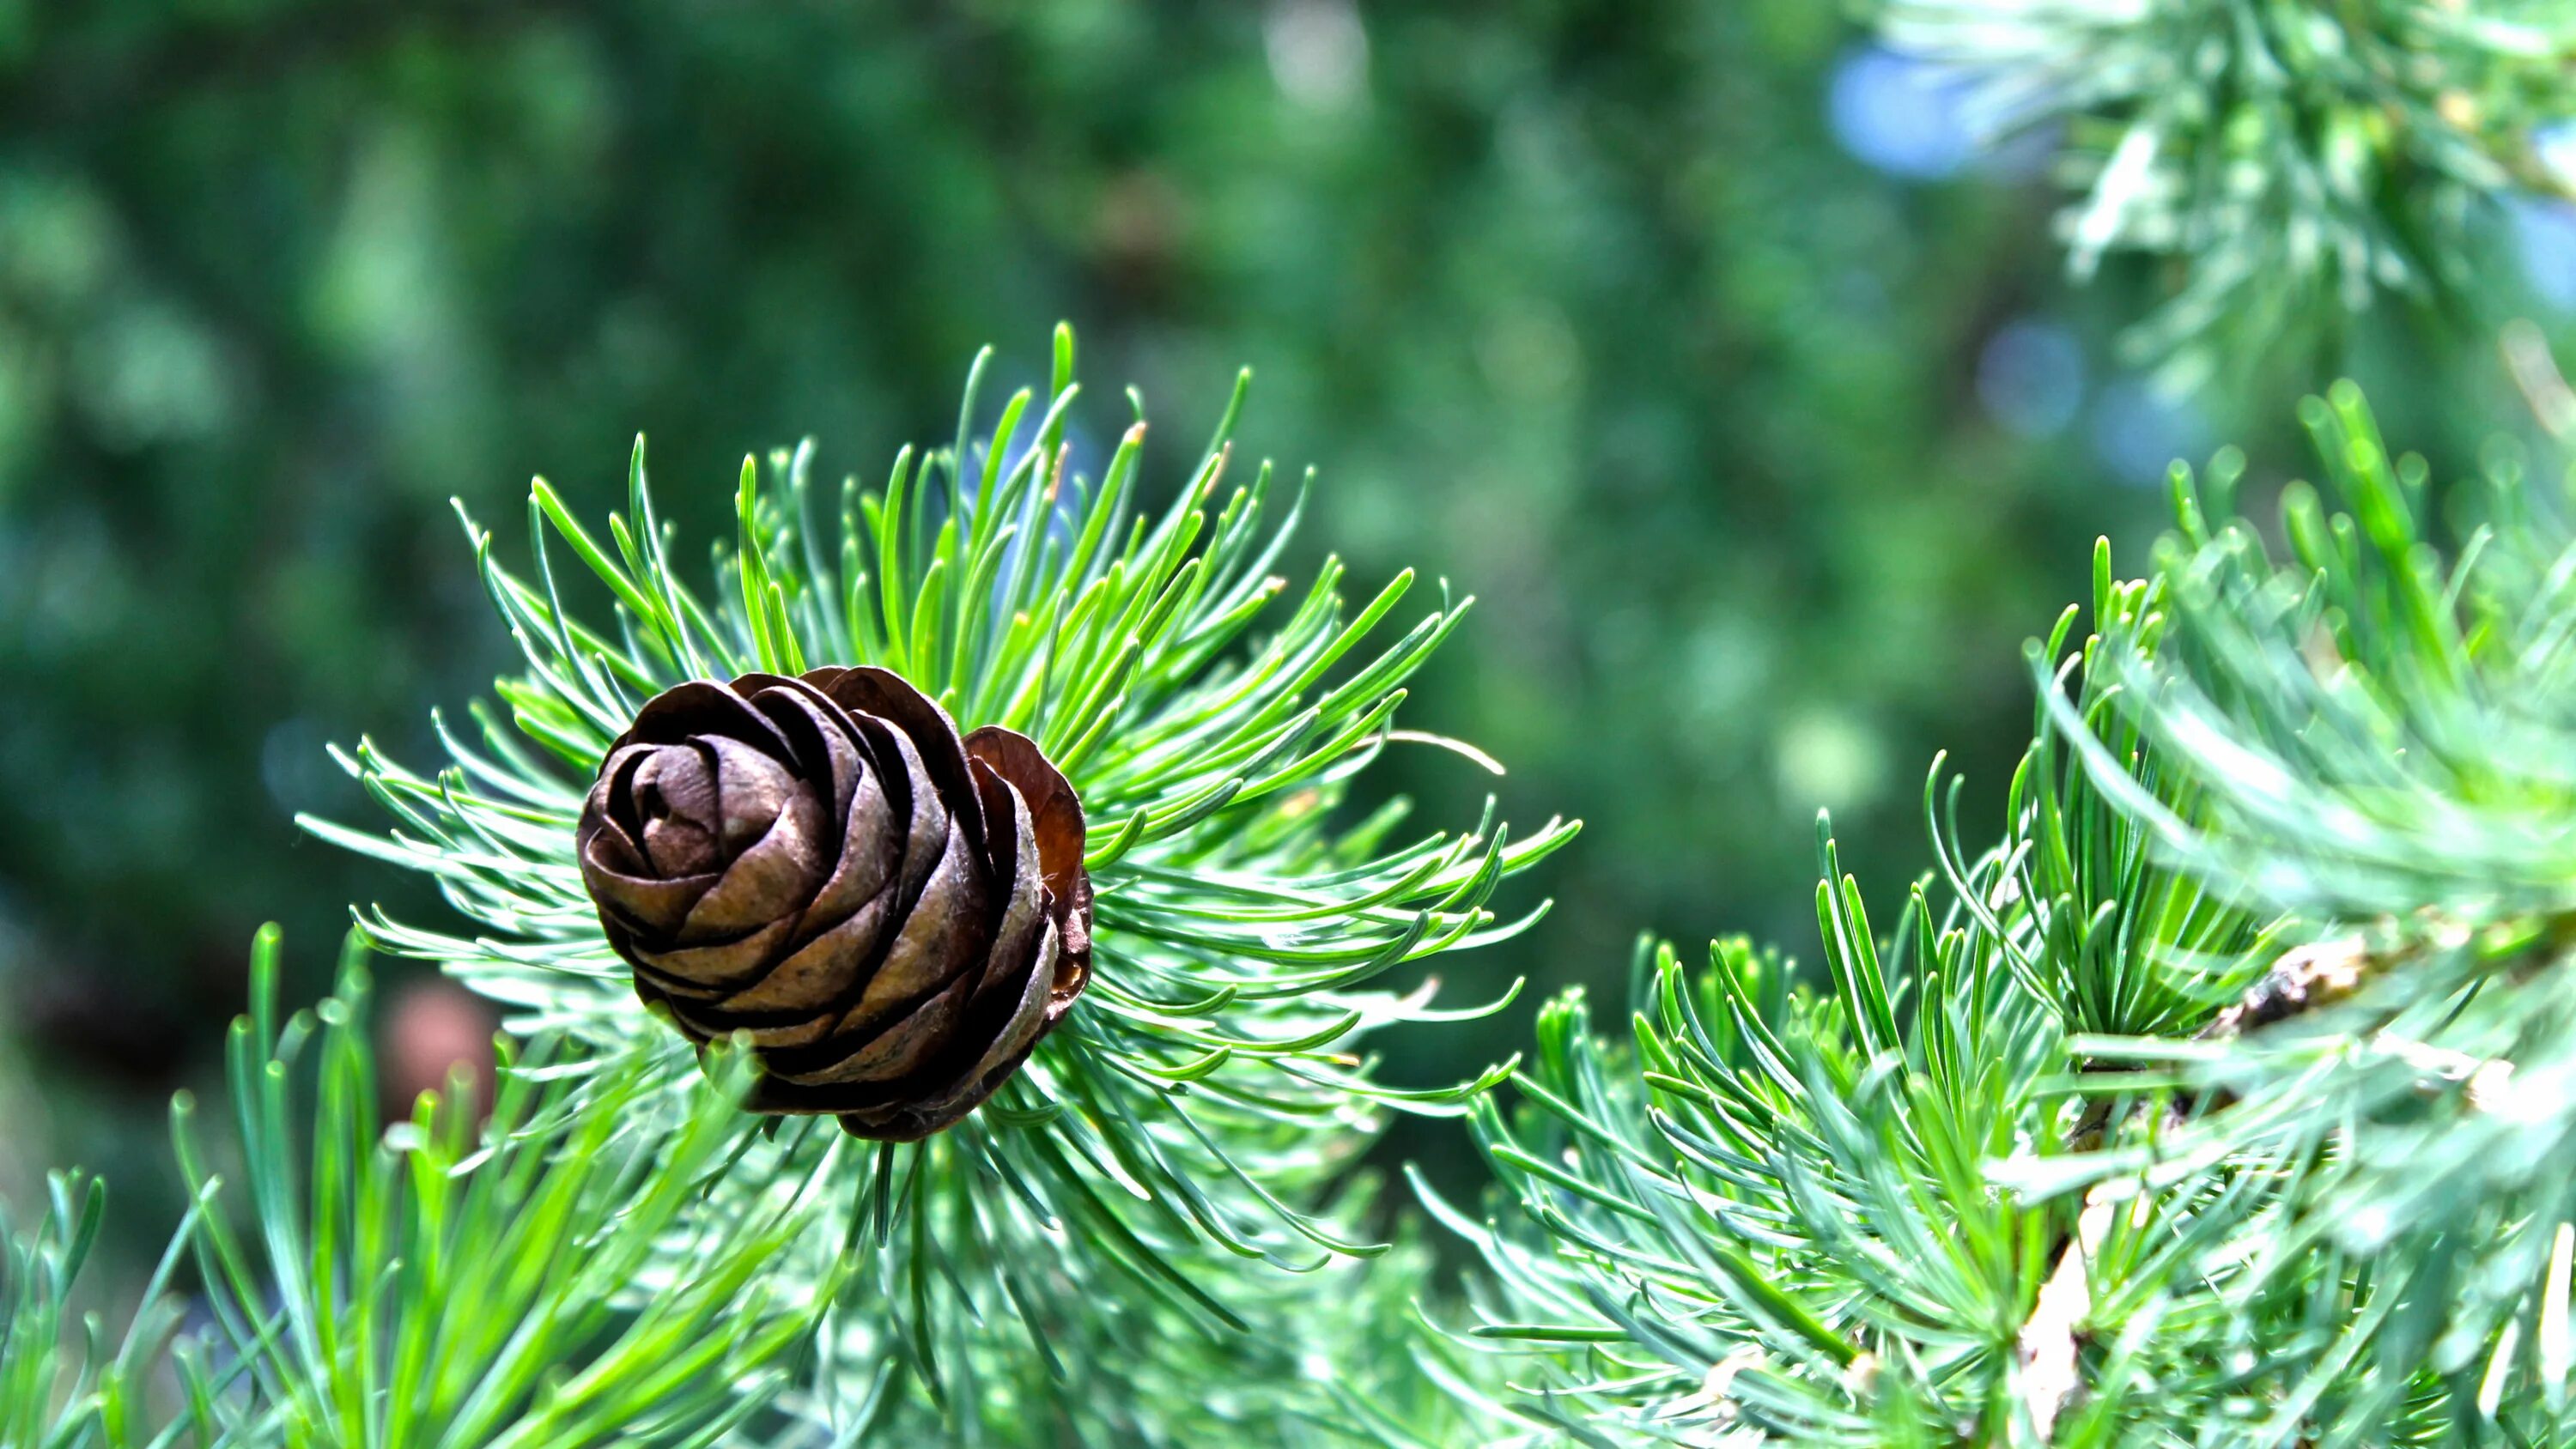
[896, 915]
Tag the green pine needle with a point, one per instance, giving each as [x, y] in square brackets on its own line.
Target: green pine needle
[61, 1385]
[543, 1279]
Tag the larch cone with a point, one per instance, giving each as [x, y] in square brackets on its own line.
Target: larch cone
[896, 914]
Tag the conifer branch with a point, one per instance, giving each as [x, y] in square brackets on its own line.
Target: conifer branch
[1180, 1134]
[2301, 827]
[2296, 162]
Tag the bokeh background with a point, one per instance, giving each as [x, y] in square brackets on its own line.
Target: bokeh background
[1696, 339]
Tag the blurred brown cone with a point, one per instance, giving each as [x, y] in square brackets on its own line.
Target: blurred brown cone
[895, 914]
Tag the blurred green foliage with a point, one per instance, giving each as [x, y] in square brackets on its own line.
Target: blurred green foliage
[2289, 162]
[1762, 444]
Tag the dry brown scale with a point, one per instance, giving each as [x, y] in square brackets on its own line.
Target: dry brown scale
[895, 914]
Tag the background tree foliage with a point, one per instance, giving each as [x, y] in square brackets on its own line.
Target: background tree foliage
[1764, 426]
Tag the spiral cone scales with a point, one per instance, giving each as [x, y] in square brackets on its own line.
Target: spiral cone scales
[895, 915]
